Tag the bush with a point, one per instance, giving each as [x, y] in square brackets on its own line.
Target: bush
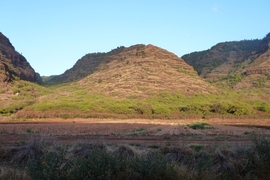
[99, 164]
[258, 161]
[236, 108]
[265, 107]
[198, 125]
[196, 109]
[161, 110]
[120, 108]
[53, 165]
[98, 161]
[219, 108]
[141, 108]
[239, 109]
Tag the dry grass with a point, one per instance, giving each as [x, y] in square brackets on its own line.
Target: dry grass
[10, 173]
[155, 72]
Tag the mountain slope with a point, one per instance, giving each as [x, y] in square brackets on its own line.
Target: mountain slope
[14, 64]
[88, 64]
[143, 70]
[233, 62]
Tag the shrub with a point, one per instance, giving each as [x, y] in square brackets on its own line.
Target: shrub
[161, 110]
[53, 165]
[120, 108]
[99, 81]
[99, 164]
[141, 108]
[195, 109]
[265, 107]
[198, 125]
[34, 148]
[236, 108]
[219, 108]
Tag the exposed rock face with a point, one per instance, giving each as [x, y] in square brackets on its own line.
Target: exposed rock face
[5, 74]
[14, 64]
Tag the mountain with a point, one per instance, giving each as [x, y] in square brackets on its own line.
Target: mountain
[241, 63]
[138, 71]
[13, 64]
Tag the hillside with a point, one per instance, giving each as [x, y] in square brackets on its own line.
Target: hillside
[143, 70]
[13, 64]
[138, 71]
[138, 81]
[239, 64]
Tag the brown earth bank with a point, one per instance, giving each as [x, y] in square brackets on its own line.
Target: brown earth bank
[143, 132]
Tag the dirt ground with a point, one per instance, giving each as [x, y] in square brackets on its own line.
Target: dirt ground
[141, 132]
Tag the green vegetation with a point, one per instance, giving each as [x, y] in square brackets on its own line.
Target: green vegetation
[24, 93]
[196, 147]
[70, 101]
[193, 73]
[198, 125]
[154, 146]
[29, 100]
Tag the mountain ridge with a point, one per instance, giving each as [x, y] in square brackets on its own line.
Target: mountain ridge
[233, 61]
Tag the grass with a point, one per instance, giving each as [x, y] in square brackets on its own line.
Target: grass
[196, 147]
[134, 144]
[154, 146]
[29, 131]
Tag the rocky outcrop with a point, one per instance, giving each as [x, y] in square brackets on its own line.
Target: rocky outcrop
[5, 74]
[14, 64]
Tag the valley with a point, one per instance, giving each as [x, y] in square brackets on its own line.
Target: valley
[206, 113]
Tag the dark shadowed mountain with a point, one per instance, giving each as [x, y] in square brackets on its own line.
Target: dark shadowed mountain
[13, 64]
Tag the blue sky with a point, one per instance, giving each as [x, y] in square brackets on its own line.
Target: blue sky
[54, 34]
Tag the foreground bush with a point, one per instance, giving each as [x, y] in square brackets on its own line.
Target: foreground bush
[99, 161]
[99, 164]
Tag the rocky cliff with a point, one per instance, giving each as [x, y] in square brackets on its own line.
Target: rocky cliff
[13, 64]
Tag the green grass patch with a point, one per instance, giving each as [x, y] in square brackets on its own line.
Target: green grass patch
[196, 147]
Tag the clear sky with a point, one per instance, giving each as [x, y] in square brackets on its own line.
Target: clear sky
[54, 34]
